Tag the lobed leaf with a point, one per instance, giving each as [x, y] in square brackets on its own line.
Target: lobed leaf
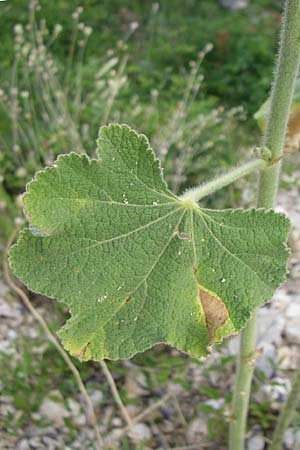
[137, 265]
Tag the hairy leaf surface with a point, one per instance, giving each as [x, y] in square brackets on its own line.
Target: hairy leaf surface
[135, 264]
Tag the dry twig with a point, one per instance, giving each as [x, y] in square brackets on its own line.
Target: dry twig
[118, 399]
[148, 411]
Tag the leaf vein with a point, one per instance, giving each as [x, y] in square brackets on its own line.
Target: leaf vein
[121, 236]
[232, 254]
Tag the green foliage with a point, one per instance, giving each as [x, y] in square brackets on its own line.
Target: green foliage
[9, 210]
[261, 412]
[137, 265]
[169, 36]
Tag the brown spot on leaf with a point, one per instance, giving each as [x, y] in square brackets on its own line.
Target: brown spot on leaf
[215, 312]
[80, 355]
[130, 296]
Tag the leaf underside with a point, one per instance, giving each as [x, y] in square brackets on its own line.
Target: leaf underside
[135, 264]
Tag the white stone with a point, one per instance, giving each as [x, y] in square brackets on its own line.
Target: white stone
[73, 406]
[6, 348]
[6, 410]
[175, 389]
[135, 383]
[113, 437]
[275, 393]
[292, 438]
[232, 345]
[33, 431]
[33, 333]
[53, 408]
[9, 309]
[293, 332]
[264, 362]
[51, 444]
[141, 432]
[216, 403]
[80, 419]
[116, 422]
[96, 397]
[197, 428]
[23, 445]
[12, 335]
[3, 289]
[293, 309]
[35, 442]
[281, 300]
[270, 326]
[235, 4]
[133, 410]
[284, 357]
[256, 443]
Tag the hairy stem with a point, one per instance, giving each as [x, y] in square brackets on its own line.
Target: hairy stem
[286, 413]
[195, 194]
[281, 98]
[245, 368]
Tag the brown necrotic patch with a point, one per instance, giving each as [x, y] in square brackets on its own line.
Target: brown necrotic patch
[82, 352]
[215, 312]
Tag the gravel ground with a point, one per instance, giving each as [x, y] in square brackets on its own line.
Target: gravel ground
[60, 422]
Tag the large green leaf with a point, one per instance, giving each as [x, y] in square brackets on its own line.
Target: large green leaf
[137, 265]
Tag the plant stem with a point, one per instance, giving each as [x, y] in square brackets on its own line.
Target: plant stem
[245, 368]
[281, 98]
[195, 194]
[286, 413]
